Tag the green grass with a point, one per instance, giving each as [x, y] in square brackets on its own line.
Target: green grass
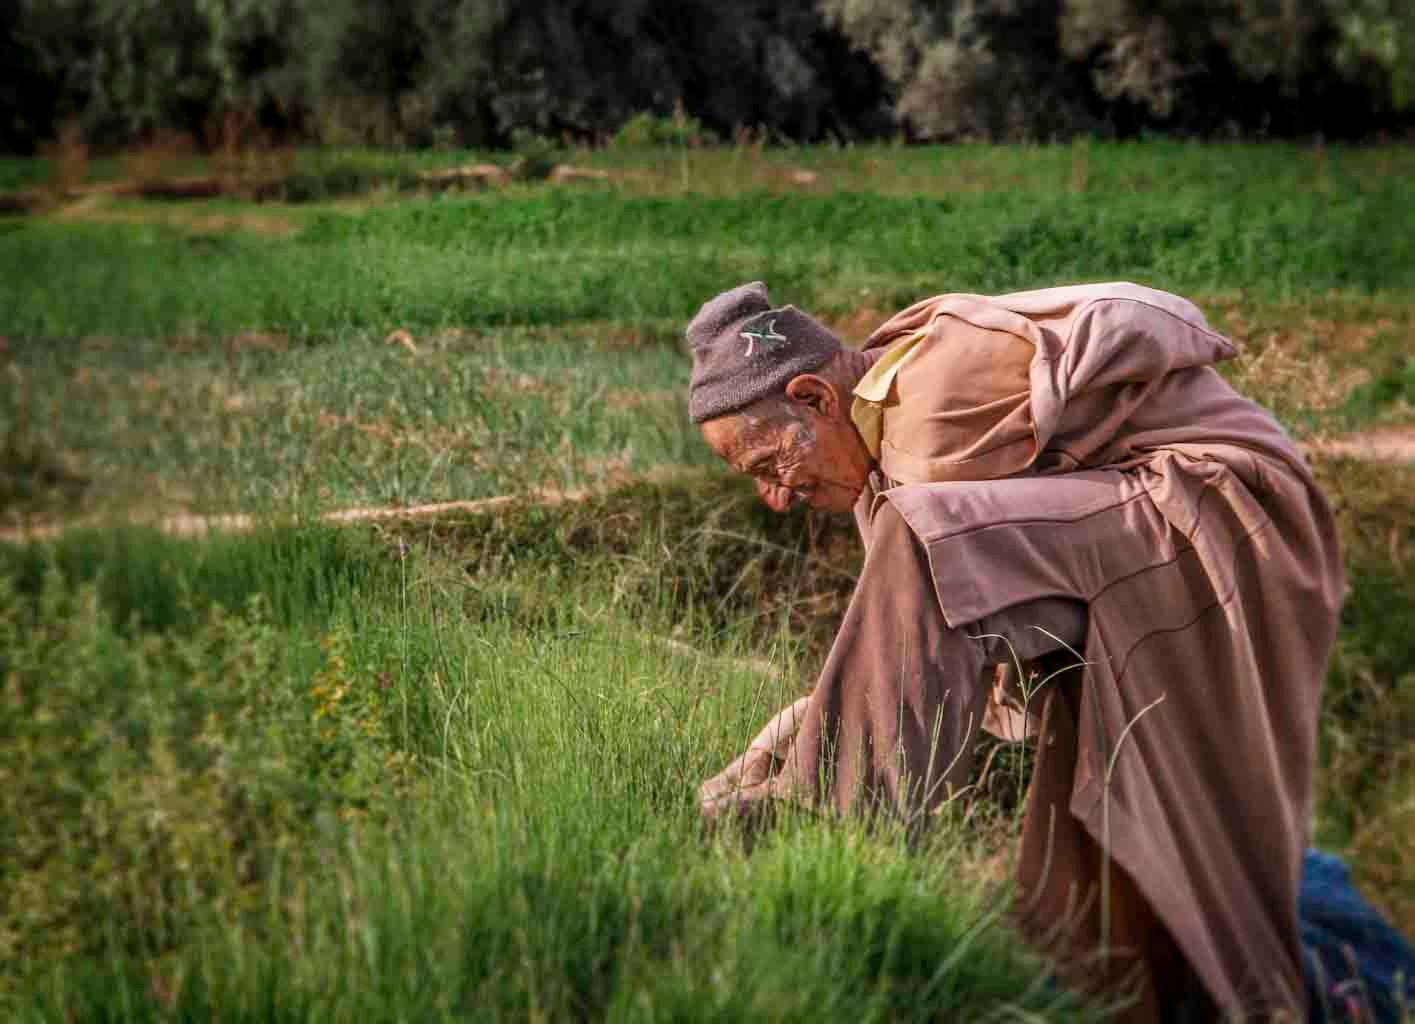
[216, 807]
[555, 257]
[445, 770]
[265, 423]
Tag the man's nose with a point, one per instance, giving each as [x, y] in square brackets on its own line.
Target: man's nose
[778, 499]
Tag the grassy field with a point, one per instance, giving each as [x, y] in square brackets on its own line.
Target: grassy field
[444, 769]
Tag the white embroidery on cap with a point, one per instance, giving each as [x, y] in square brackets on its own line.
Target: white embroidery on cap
[763, 336]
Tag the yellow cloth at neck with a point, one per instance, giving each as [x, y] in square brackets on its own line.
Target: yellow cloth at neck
[867, 411]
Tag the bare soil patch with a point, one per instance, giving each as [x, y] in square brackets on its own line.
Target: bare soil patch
[855, 327]
[96, 208]
[466, 176]
[266, 341]
[277, 187]
[1383, 444]
[637, 398]
[191, 525]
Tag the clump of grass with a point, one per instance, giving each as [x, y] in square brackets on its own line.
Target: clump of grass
[650, 131]
[331, 175]
[534, 156]
[1322, 362]
[373, 805]
[721, 564]
[150, 583]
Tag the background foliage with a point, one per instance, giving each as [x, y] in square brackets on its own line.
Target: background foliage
[474, 72]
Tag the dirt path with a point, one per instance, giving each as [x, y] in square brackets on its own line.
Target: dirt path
[1387, 444]
[186, 525]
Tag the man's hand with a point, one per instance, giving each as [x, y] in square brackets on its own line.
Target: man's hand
[776, 497]
[759, 762]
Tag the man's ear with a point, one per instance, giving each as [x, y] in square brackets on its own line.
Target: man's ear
[816, 392]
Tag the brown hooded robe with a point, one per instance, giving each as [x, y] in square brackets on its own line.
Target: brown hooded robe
[1118, 468]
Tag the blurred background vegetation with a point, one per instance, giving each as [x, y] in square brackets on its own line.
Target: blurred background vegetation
[476, 73]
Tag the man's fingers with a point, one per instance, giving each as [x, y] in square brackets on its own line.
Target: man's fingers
[778, 499]
[724, 782]
[777, 735]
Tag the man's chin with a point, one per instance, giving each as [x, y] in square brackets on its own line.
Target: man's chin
[834, 499]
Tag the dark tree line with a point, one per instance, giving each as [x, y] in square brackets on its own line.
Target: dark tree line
[476, 72]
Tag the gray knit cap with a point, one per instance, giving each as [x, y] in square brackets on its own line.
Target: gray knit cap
[744, 350]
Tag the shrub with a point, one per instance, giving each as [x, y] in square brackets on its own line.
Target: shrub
[535, 156]
[159, 777]
[649, 131]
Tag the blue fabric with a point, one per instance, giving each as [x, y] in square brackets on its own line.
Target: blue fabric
[1359, 969]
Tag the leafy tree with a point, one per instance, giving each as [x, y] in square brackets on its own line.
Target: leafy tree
[581, 68]
[970, 68]
[132, 68]
[415, 72]
[1378, 46]
[1209, 65]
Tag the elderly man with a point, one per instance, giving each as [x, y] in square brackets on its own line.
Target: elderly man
[1056, 470]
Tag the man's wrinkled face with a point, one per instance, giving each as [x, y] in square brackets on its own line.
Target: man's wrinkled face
[795, 455]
